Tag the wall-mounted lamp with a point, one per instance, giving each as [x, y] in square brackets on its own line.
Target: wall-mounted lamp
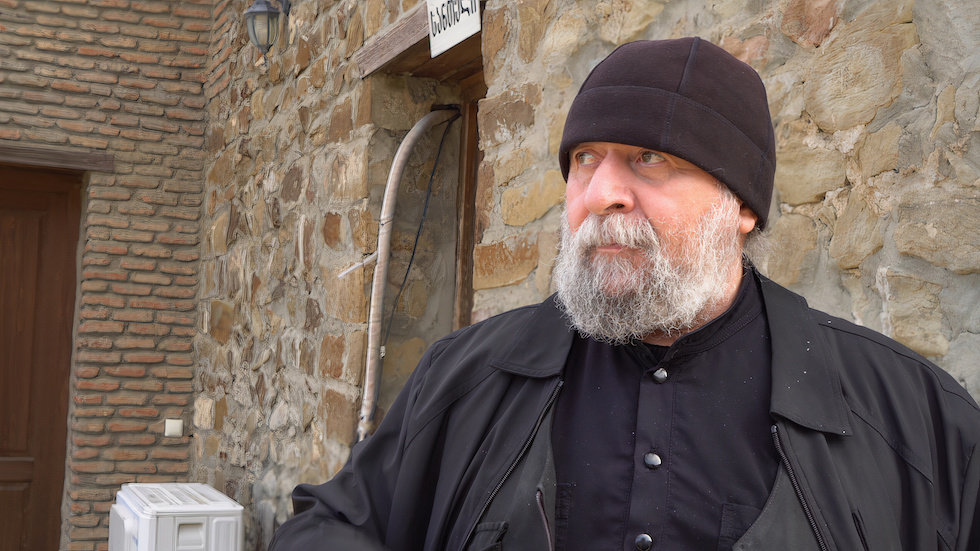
[262, 20]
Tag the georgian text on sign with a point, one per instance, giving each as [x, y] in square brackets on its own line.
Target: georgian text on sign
[451, 22]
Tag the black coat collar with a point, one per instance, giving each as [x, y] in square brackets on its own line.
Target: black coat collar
[806, 386]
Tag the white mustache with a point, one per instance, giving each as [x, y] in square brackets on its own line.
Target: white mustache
[616, 229]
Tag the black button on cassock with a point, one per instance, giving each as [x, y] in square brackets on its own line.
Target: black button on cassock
[644, 542]
[660, 376]
[652, 461]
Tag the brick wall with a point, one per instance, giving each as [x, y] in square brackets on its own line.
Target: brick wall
[124, 78]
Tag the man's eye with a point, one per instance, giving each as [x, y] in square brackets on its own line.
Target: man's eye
[584, 158]
[651, 157]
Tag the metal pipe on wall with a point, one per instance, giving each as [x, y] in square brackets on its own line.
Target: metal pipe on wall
[375, 353]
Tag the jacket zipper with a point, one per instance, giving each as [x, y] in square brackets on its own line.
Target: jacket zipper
[544, 519]
[513, 466]
[799, 490]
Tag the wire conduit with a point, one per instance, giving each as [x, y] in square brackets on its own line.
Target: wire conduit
[375, 352]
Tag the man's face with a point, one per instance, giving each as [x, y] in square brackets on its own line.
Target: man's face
[673, 194]
[651, 244]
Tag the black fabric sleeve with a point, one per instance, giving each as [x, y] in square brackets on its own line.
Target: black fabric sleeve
[968, 537]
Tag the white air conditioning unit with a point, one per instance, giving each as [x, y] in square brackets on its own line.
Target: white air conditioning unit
[174, 517]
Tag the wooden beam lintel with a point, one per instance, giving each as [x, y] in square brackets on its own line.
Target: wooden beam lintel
[387, 45]
[57, 158]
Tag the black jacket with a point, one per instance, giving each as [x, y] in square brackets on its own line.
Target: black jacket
[877, 445]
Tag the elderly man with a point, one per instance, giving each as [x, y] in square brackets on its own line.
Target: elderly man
[668, 397]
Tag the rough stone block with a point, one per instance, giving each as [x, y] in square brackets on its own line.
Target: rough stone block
[222, 319]
[504, 263]
[564, 38]
[793, 237]
[341, 121]
[339, 415]
[878, 151]
[345, 299]
[805, 174]
[521, 205]
[858, 70]
[961, 361]
[364, 230]
[331, 362]
[857, 234]
[808, 22]
[347, 177]
[332, 236]
[505, 117]
[941, 228]
[911, 305]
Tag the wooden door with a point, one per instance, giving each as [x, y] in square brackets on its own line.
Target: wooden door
[39, 215]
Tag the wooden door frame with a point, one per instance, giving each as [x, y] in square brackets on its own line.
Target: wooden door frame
[19, 170]
[403, 49]
[51, 158]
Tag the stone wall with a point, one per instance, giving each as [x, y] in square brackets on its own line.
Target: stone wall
[299, 149]
[123, 78]
[876, 112]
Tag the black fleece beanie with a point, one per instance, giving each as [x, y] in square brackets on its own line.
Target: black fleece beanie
[686, 97]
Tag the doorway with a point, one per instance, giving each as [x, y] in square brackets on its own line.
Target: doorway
[39, 219]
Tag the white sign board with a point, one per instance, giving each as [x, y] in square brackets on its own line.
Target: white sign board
[451, 22]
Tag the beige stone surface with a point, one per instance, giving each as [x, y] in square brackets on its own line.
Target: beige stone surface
[341, 122]
[345, 299]
[751, 51]
[945, 109]
[879, 151]
[511, 164]
[913, 311]
[620, 21]
[203, 413]
[857, 233]
[339, 414]
[857, 71]
[808, 22]
[565, 35]
[222, 320]
[524, 204]
[793, 237]
[495, 33]
[533, 16]
[392, 103]
[219, 233]
[364, 230]
[354, 34]
[547, 253]
[960, 361]
[347, 176]
[331, 362]
[804, 174]
[941, 228]
[375, 10]
[505, 262]
[966, 174]
[504, 117]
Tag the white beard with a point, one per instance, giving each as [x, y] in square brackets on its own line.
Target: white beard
[623, 298]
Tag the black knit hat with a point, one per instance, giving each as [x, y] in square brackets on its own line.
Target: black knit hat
[686, 97]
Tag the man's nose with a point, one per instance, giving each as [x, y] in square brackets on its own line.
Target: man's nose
[609, 188]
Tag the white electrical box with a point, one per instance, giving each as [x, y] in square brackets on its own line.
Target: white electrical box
[174, 517]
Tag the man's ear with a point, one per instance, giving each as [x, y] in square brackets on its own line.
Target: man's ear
[746, 220]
